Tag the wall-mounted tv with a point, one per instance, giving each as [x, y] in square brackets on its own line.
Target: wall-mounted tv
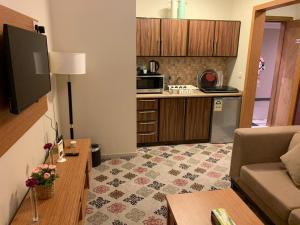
[26, 67]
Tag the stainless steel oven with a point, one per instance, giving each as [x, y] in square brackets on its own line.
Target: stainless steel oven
[150, 84]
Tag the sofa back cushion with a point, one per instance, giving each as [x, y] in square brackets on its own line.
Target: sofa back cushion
[295, 141]
[291, 160]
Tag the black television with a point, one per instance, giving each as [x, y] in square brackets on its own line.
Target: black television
[26, 67]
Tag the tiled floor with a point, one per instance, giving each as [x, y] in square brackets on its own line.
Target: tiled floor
[132, 191]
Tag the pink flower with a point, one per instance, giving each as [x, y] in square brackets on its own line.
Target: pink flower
[52, 167]
[46, 176]
[36, 170]
[44, 166]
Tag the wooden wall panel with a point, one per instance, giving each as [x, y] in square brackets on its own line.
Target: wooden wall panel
[174, 37]
[12, 127]
[201, 38]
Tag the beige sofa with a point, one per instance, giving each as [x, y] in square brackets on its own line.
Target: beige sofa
[256, 169]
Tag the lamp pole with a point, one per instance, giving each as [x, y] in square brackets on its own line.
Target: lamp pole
[70, 108]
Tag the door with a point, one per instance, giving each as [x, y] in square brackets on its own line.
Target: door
[288, 78]
[148, 37]
[174, 37]
[226, 38]
[171, 119]
[197, 123]
[201, 38]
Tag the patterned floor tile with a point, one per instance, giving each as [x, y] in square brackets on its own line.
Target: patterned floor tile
[97, 218]
[135, 215]
[132, 190]
[116, 194]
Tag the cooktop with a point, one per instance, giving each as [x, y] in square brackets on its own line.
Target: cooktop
[220, 89]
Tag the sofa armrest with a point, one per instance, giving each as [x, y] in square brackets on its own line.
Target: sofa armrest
[259, 145]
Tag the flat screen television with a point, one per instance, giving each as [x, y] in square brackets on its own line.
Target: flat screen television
[26, 67]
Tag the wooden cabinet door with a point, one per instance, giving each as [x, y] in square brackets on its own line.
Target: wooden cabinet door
[198, 114]
[148, 37]
[174, 37]
[171, 119]
[201, 38]
[138, 37]
[227, 38]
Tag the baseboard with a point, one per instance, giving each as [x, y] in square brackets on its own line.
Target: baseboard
[119, 155]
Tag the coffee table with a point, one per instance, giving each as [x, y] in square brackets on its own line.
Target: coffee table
[195, 208]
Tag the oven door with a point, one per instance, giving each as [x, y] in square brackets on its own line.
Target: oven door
[149, 84]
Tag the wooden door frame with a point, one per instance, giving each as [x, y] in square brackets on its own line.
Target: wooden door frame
[254, 51]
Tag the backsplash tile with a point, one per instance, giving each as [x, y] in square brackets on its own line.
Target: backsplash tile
[184, 70]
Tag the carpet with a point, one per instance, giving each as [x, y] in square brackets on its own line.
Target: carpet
[132, 190]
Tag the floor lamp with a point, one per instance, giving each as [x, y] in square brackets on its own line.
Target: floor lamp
[62, 63]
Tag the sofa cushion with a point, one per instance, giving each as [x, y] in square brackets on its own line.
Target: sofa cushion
[295, 141]
[294, 218]
[271, 183]
[291, 160]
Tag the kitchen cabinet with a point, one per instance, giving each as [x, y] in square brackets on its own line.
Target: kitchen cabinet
[174, 37]
[197, 121]
[226, 38]
[171, 119]
[201, 38]
[147, 121]
[148, 37]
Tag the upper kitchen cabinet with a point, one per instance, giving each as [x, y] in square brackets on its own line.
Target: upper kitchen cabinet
[226, 38]
[201, 38]
[174, 37]
[147, 37]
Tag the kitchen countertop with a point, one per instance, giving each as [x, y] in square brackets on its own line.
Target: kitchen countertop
[197, 93]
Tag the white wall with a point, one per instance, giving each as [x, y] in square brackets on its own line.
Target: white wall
[269, 50]
[27, 152]
[104, 100]
[195, 9]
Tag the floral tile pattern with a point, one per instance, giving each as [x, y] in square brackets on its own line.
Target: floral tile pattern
[133, 190]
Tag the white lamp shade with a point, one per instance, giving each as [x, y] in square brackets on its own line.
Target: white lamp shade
[67, 63]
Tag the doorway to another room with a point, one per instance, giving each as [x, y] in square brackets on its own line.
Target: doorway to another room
[277, 89]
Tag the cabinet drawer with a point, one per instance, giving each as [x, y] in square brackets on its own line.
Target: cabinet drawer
[148, 115]
[148, 137]
[150, 126]
[146, 104]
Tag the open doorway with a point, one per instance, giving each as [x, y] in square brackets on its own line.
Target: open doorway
[267, 74]
[283, 106]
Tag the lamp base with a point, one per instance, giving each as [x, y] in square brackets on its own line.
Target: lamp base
[61, 160]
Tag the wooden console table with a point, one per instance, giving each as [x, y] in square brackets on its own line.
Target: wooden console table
[67, 206]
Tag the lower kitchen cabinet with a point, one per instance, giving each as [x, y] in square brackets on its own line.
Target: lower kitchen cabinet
[171, 119]
[197, 120]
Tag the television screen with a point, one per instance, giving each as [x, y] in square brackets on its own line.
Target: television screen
[27, 67]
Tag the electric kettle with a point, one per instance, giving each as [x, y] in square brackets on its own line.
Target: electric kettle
[153, 66]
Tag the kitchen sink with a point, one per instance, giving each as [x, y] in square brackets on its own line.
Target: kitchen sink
[182, 89]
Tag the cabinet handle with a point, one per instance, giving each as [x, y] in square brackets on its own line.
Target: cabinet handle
[147, 100]
[146, 112]
[148, 123]
[147, 134]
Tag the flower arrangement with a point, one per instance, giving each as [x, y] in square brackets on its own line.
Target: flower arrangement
[42, 175]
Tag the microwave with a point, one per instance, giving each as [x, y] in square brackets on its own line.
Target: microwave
[150, 84]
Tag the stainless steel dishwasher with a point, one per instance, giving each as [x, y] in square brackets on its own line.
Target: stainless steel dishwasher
[225, 119]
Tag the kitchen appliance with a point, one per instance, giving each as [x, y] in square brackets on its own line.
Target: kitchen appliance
[220, 89]
[208, 78]
[153, 67]
[225, 119]
[150, 84]
[182, 89]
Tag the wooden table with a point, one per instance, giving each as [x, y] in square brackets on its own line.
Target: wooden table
[67, 206]
[195, 208]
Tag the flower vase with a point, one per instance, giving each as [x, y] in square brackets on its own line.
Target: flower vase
[34, 206]
[45, 192]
